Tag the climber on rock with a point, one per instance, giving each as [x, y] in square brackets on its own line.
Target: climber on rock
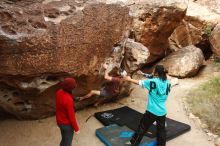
[110, 89]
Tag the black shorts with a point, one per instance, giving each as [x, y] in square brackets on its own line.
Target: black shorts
[104, 93]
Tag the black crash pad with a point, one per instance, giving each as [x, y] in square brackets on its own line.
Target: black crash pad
[115, 135]
[126, 116]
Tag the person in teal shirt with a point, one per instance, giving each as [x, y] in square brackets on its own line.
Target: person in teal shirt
[159, 89]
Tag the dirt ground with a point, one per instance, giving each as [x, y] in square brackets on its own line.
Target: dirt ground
[46, 133]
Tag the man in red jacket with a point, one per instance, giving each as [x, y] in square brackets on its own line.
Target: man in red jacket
[65, 114]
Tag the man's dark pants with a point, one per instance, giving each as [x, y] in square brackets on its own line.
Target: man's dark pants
[147, 120]
[67, 135]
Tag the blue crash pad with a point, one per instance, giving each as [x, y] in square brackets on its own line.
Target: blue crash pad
[115, 135]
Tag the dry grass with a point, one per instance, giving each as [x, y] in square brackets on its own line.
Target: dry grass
[205, 103]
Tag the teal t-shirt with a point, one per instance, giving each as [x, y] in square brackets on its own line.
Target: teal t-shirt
[158, 93]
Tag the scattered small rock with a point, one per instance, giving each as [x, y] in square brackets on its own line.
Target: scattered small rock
[198, 122]
[210, 134]
[206, 130]
[204, 126]
[191, 116]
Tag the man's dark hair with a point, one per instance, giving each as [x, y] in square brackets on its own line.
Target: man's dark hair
[160, 70]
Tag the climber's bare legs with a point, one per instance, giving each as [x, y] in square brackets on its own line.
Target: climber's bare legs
[90, 94]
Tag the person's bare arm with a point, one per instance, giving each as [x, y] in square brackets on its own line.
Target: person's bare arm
[107, 77]
[129, 79]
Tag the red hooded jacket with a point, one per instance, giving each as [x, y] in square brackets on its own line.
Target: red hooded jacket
[65, 114]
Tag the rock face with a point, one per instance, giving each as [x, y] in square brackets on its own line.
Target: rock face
[135, 57]
[184, 62]
[196, 27]
[43, 41]
[154, 25]
[59, 36]
[189, 32]
[215, 41]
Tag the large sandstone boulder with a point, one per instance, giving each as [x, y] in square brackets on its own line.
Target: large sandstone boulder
[43, 41]
[196, 27]
[59, 36]
[153, 25]
[135, 56]
[185, 62]
[190, 32]
[215, 41]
